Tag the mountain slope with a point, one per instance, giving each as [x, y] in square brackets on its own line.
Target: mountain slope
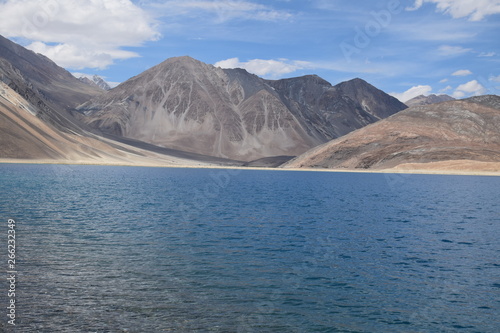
[52, 89]
[36, 97]
[334, 111]
[464, 130]
[185, 104]
[24, 136]
[54, 83]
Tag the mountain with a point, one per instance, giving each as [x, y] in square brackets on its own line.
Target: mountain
[453, 134]
[24, 136]
[96, 81]
[36, 122]
[426, 100]
[337, 110]
[52, 89]
[53, 83]
[188, 105]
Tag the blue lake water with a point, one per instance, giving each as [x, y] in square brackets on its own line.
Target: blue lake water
[123, 249]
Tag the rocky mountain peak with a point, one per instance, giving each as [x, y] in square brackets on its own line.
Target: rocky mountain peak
[183, 62]
[185, 104]
[95, 81]
[372, 100]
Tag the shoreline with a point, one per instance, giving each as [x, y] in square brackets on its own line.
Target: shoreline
[409, 171]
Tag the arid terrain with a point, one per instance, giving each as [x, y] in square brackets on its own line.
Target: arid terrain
[188, 105]
[455, 135]
[187, 113]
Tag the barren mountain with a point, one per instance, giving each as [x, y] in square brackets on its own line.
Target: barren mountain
[53, 83]
[185, 104]
[334, 111]
[95, 81]
[464, 133]
[52, 89]
[35, 123]
[426, 100]
[24, 136]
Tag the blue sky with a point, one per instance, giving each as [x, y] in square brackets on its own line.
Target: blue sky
[404, 47]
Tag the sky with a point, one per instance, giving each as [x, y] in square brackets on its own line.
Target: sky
[404, 47]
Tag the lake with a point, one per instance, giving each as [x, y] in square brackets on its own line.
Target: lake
[126, 249]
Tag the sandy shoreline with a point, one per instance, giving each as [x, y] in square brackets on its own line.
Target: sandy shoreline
[405, 169]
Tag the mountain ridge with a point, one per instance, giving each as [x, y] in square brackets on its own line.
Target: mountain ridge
[52, 89]
[36, 123]
[431, 99]
[185, 104]
[38, 103]
[460, 130]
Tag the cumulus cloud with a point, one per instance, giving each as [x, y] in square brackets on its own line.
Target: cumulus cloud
[78, 33]
[475, 10]
[412, 92]
[495, 78]
[267, 68]
[471, 88]
[462, 72]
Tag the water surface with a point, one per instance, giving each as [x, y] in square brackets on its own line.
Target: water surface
[123, 249]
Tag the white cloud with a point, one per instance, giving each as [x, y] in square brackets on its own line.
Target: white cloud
[221, 10]
[475, 10]
[458, 94]
[412, 92]
[277, 68]
[449, 50]
[417, 5]
[462, 72]
[78, 33]
[471, 88]
[436, 31]
[266, 68]
[495, 78]
[443, 81]
[487, 54]
[74, 56]
[445, 89]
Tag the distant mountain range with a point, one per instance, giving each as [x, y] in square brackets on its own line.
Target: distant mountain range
[95, 80]
[189, 105]
[185, 112]
[37, 122]
[431, 99]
